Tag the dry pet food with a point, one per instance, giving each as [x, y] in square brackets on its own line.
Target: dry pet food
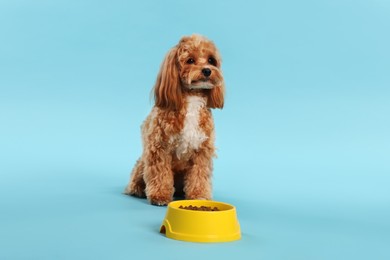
[200, 208]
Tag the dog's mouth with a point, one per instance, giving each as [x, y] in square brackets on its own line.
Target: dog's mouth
[201, 84]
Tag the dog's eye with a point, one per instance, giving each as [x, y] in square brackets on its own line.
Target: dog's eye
[190, 61]
[212, 61]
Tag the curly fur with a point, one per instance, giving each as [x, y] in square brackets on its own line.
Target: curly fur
[178, 134]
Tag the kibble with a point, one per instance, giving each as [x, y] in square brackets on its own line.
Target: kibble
[200, 208]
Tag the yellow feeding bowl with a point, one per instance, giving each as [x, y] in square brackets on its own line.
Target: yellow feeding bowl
[201, 226]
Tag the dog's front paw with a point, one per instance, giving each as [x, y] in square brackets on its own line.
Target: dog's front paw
[198, 195]
[159, 200]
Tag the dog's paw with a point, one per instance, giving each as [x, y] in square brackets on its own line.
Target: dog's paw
[136, 191]
[159, 200]
[198, 196]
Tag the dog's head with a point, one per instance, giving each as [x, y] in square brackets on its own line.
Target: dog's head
[193, 65]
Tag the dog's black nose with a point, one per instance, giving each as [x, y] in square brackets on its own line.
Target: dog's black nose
[206, 72]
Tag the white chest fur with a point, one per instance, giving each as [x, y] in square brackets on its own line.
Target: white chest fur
[191, 136]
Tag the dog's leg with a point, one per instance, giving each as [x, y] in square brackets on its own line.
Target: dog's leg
[158, 177]
[197, 181]
[136, 186]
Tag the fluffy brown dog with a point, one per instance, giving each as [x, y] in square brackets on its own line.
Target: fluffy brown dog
[178, 134]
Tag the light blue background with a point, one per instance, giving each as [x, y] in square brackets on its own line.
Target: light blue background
[304, 138]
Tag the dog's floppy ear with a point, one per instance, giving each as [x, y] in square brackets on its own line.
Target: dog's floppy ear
[216, 97]
[167, 90]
